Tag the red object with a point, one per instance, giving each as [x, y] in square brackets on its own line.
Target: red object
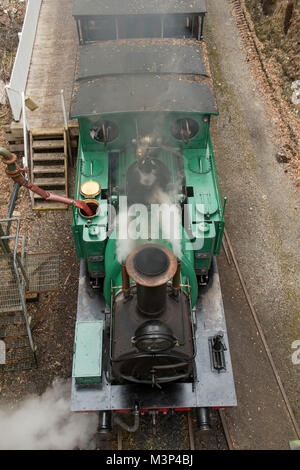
[15, 172]
[183, 409]
[221, 407]
[55, 197]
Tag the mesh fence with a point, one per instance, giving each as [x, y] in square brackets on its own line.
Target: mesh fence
[10, 298]
[42, 271]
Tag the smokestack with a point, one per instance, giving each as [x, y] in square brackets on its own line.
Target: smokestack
[151, 266]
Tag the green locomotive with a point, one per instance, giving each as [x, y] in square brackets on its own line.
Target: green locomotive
[148, 219]
[143, 97]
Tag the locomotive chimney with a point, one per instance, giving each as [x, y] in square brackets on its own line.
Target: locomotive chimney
[151, 266]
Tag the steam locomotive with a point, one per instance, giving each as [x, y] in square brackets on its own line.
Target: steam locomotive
[150, 332]
[148, 218]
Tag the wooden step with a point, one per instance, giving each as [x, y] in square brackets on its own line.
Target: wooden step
[14, 140]
[48, 144]
[50, 182]
[43, 157]
[43, 205]
[13, 128]
[49, 169]
[16, 147]
[58, 192]
[44, 133]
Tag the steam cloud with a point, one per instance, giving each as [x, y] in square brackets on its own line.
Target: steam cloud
[138, 226]
[46, 423]
[135, 223]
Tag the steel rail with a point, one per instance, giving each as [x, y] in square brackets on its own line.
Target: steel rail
[262, 336]
[191, 431]
[191, 434]
[226, 430]
[119, 439]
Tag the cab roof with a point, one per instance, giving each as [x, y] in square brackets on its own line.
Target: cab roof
[143, 75]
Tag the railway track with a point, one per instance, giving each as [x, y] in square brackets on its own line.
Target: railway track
[185, 434]
[250, 41]
[230, 256]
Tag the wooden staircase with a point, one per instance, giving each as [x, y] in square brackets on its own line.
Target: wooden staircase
[49, 165]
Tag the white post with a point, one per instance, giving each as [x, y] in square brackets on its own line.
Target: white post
[25, 158]
[64, 109]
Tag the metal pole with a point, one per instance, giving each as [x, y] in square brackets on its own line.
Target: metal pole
[162, 27]
[64, 109]
[117, 28]
[25, 158]
[67, 130]
[202, 25]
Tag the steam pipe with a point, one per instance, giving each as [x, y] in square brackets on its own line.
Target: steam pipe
[104, 425]
[125, 281]
[15, 172]
[176, 278]
[135, 424]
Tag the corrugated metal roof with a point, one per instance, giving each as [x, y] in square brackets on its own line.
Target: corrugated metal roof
[137, 7]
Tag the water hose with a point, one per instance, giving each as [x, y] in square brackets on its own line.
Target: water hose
[15, 172]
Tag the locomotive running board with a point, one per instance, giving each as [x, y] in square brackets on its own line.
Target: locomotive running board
[212, 388]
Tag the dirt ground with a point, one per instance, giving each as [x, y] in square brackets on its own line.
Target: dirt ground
[263, 205]
[277, 25]
[11, 20]
[262, 220]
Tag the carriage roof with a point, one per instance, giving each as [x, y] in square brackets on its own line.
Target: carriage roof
[137, 7]
[143, 75]
[133, 56]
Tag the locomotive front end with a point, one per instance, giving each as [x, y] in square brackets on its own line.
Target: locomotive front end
[152, 338]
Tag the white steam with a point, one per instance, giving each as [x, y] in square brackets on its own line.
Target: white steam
[46, 423]
[140, 224]
[170, 222]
